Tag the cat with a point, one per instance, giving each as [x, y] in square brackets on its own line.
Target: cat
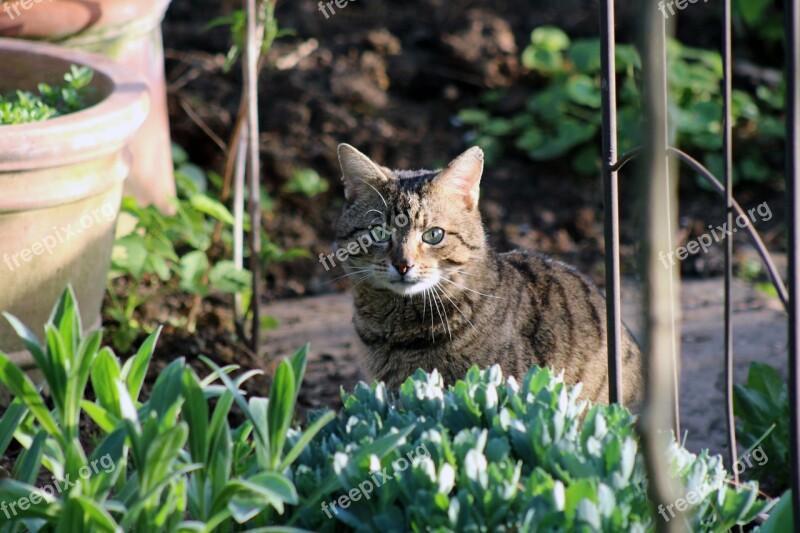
[430, 293]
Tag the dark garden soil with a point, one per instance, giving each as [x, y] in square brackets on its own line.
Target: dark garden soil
[388, 77]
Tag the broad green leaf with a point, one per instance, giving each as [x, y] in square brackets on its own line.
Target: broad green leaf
[191, 179]
[162, 453]
[211, 207]
[583, 90]
[225, 276]
[308, 435]
[234, 390]
[585, 55]
[166, 390]
[21, 386]
[98, 517]
[130, 254]
[193, 267]
[65, 317]
[298, 362]
[780, 518]
[765, 379]
[142, 500]
[30, 461]
[104, 373]
[195, 413]
[550, 38]
[280, 409]
[14, 414]
[105, 420]
[46, 505]
[34, 347]
[135, 369]
[108, 459]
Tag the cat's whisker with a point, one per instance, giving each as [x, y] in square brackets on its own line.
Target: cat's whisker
[371, 210]
[433, 334]
[456, 271]
[436, 299]
[377, 191]
[365, 278]
[424, 298]
[447, 295]
[360, 271]
[468, 289]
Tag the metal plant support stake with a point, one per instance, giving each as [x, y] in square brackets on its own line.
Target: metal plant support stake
[791, 14]
[608, 90]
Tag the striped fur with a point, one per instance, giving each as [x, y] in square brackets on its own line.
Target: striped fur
[462, 304]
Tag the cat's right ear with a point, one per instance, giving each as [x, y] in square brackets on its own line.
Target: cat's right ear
[359, 173]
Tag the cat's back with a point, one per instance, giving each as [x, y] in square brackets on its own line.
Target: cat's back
[566, 323]
[552, 282]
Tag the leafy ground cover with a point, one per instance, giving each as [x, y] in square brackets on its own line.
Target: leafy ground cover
[497, 454]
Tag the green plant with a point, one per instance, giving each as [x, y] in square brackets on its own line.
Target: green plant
[761, 17]
[180, 251]
[171, 246]
[25, 106]
[501, 456]
[563, 116]
[306, 181]
[236, 21]
[761, 407]
[780, 518]
[171, 462]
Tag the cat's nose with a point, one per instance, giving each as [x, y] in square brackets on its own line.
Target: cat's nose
[403, 267]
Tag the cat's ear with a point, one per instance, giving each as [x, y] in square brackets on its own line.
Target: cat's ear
[463, 176]
[359, 172]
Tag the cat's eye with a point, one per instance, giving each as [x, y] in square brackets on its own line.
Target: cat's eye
[380, 234]
[433, 236]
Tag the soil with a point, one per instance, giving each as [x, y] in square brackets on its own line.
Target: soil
[389, 80]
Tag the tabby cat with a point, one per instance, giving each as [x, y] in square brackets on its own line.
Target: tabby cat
[430, 293]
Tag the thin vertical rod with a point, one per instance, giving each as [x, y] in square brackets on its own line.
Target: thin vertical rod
[608, 89]
[250, 65]
[657, 345]
[670, 190]
[727, 147]
[238, 218]
[792, 30]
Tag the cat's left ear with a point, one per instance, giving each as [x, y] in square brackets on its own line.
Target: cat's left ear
[463, 176]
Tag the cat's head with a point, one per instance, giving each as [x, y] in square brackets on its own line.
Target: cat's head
[410, 228]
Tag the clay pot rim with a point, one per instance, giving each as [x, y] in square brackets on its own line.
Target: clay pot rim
[74, 137]
[38, 24]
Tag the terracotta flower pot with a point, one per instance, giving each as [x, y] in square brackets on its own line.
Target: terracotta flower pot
[128, 31]
[60, 186]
